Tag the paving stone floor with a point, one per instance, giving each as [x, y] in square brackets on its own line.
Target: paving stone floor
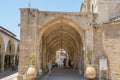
[63, 74]
[57, 74]
[8, 74]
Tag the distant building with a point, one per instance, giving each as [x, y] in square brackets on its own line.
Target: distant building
[9, 49]
[60, 56]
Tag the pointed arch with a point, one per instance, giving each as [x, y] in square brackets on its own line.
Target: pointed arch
[72, 39]
[61, 20]
[10, 47]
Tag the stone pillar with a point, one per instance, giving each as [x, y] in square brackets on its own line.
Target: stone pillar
[14, 58]
[88, 41]
[39, 54]
[28, 27]
[75, 60]
[2, 62]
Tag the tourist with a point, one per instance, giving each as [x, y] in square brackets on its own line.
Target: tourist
[64, 62]
[50, 67]
[13, 66]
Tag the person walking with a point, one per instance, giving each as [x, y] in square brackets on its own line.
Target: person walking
[64, 62]
[13, 66]
[50, 67]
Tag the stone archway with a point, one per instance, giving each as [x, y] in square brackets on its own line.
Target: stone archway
[40, 33]
[50, 36]
[10, 53]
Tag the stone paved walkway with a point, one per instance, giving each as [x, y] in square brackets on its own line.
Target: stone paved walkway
[57, 74]
[63, 74]
[8, 75]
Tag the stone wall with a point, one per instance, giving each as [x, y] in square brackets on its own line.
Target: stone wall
[106, 43]
[33, 24]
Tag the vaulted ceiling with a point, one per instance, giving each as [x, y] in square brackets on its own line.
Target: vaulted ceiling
[62, 36]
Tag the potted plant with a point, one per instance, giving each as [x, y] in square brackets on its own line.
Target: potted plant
[90, 70]
[31, 72]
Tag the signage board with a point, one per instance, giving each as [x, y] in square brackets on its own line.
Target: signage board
[103, 63]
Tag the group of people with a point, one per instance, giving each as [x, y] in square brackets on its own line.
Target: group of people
[52, 65]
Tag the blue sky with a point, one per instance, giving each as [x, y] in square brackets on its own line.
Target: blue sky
[10, 13]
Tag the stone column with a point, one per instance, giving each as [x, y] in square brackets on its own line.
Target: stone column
[15, 58]
[28, 27]
[88, 40]
[2, 62]
[39, 54]
[75, 60]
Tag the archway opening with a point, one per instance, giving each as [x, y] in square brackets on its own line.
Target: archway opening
[9, 56]
[60, 37]
[62, 58]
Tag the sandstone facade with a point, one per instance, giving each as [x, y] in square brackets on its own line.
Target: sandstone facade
[9, 49]
[95, 28]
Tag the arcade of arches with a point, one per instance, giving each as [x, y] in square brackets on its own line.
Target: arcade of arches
[9, 49]
[55, 34]
[62, 36]
[44, 33]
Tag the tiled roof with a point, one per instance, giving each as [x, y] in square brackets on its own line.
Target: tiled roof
[7, 31]
[112, 21]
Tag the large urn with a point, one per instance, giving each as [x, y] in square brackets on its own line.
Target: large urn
[90, 72]
[31, 73]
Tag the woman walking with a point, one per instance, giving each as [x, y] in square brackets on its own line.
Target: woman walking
[50, 67]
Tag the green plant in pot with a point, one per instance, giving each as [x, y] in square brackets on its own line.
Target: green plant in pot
[90, 70]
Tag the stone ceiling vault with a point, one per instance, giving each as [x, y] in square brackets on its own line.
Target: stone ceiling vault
[64, 34]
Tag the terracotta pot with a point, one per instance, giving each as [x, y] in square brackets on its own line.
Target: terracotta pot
[31, 73]
[90, 72]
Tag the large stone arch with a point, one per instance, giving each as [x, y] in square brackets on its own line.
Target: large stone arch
[35, 36]
[10, 47]
[52, 27]
[64, 20]
[10, 53]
